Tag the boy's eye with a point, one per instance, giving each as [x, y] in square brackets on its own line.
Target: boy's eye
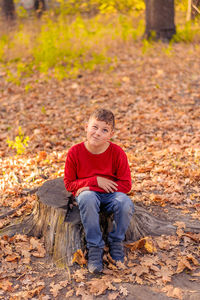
[95, 127]
[105, 130]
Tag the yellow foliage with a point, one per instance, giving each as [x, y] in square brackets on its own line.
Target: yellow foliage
[79, 258]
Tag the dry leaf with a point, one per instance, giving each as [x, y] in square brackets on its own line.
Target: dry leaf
[193, 259]
[79, 258]
[146, 244]
[41, 156]
[36, 245]
[140, 269]
[173, 292]
[79, 275]
[123, 291]
[139, 280]
[26, 256]
[120, 265]
[184, 263]
[70, 293]
[193, 236]
[165, 273]
[55, 288]
[196, 274]
[12, 257]
[98, 286]
[6, 285]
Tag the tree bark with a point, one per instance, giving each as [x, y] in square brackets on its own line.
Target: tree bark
[39, 6]
[160, 19]
[62, 229]
[8, 8]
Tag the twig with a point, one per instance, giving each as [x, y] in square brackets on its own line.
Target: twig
[20, 276]
[13, 210]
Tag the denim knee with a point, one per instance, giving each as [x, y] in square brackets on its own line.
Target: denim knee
[87, 199]
[125, 203]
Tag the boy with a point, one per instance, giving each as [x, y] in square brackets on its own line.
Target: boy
[98, 175]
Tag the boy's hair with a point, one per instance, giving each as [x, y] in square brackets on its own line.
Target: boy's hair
[104, 115]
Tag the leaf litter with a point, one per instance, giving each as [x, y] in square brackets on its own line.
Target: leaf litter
[156, 102]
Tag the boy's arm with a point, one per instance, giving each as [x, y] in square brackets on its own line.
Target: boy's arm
[123, 174]
[72, 184]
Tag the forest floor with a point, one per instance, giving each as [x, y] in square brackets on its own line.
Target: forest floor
[156, 99]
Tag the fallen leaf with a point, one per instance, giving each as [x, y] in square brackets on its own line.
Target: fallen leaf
[140, 269]
[123, 291]
[79, 258]
[70, 293]
[79, 275]
[6, 285]
[146, 244]
[11, 258]
[165, 273]
[173, 292]
[41, 156]
[98, 286]
[182, 264]
[196, 274]
[55, 288]
[139, 280]
[36, 245]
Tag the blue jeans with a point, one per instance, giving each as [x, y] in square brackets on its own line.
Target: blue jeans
[90, 203]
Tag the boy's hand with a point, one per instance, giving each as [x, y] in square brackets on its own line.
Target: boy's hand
[106, 184]
[85, 188]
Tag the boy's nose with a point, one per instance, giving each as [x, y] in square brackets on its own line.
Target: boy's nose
[98, 132]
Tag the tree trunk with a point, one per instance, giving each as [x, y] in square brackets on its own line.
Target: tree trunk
[62, 229]
[160, 19]
[39, 6]
[8, 9]
[189, 10]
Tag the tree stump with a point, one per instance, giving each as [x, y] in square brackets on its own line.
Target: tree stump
[62, 229]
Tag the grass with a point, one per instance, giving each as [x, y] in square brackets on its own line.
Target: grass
[63, 45]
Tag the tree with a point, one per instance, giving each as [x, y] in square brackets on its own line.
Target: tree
[39, 6]
[8, 9]
[160, 19]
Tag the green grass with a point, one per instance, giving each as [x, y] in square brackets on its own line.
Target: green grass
[20, 143]
[64, 45]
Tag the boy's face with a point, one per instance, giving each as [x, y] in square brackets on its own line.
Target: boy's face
[98, 132]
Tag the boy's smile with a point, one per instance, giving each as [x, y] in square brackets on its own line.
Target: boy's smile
[99, 134]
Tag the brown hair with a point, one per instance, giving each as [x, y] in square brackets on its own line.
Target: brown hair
[104, 115]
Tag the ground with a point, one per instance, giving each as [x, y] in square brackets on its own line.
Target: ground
[155, 96]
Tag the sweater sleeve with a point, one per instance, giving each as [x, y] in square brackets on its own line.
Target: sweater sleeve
[123, 173]
[72, 184]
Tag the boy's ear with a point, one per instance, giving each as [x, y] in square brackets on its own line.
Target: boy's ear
[112, 133]
[86, 126]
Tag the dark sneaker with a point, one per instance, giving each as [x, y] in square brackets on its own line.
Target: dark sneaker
[95, 260]
[117, 251]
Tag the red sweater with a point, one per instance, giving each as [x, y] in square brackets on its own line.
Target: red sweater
[82, 168]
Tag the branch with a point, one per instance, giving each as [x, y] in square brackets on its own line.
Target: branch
[196, 8]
